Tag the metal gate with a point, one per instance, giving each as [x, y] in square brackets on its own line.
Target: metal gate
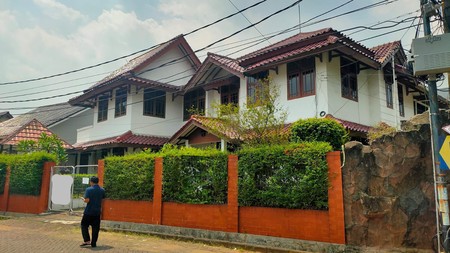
[67, 186]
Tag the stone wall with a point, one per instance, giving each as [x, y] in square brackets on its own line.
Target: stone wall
[389, 191]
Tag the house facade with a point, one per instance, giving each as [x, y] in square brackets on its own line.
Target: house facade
[138, 105]
[150, 100]
[318, 74]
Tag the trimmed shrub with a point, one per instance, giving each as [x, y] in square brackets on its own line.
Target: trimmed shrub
[3, 166]
[315, 129]
[284, 176]
[26, 172]
[129, 177]
[78, 187]
[195, 176]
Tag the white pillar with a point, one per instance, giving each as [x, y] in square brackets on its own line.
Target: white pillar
[223, 145]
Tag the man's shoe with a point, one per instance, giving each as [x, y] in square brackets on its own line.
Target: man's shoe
[93, 245]
[84, 244]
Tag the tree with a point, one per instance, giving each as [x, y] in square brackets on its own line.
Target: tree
[260, 121]
[47, 143]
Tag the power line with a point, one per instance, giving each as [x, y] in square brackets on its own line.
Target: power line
[134, 53]
[167, 63]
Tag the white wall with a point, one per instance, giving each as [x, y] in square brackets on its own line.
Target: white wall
[67, 129]
[148, 125]
[177, 73]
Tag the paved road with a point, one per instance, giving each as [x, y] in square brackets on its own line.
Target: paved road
[54, 233]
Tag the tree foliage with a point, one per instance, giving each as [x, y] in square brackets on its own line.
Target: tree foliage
[46, 143]
[259, 121]
[319, 129]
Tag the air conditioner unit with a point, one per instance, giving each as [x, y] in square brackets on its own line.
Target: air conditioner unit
[431, 54]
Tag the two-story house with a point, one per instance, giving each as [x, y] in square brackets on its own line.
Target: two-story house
[138, 105]
[320, 73]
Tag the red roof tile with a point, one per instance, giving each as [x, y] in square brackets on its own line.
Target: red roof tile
[227, 63]
[350, 125]
[13, 134]
[385, 51]
[127, 138]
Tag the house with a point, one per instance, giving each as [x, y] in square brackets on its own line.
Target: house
[137, 106]
[4, 116]
[14, 131]
[319, 73]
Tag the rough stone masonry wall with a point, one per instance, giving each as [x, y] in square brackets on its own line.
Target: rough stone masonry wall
[389, 192]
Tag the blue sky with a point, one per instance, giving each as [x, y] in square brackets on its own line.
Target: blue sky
[44, 37]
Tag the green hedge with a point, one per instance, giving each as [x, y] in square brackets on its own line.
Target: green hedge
[3, 166]
[129, 177]
[26, 172]
[289, 176]
[319, 129]
[195, 176]
[78, 187]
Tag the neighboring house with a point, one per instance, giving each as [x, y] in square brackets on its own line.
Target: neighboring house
[4, 116]
[137, 106]
[13, 131]
[318, 73]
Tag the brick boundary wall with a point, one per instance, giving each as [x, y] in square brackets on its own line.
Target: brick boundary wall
[314, 225]
[24, 203]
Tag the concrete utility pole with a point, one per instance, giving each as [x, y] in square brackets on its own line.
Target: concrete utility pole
[427, 12]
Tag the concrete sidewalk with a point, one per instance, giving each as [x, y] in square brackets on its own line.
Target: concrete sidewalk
[60, 232]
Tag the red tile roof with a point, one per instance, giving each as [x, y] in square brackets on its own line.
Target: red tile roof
[227, 63]
[350, 125]
[12, 134]
[128, 138]
[385, 51]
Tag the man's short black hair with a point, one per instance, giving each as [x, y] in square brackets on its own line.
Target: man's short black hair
[94, 179]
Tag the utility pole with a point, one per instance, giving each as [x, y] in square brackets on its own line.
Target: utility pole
[440, 187]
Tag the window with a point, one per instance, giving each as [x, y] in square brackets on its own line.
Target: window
[121, 102]
[254, 87]
[155, 103]
[194, 103]
[419, 108]
[389, 97]
[349, 83]
[301, 78]
[229, 94]
[102, 108]
[401, 105]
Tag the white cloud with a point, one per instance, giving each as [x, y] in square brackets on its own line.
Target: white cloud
[57, 10]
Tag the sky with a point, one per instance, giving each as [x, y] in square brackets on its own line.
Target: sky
[44, 37]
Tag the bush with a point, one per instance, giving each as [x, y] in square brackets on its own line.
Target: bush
[195, 176]
[381, 129]
[289, 176]
[3, 166]
[78, 187]
[129, 177]
[323, 129]
[26, 172]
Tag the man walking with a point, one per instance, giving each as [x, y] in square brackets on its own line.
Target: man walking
[91, 216]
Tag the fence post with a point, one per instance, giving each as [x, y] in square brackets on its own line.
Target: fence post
[335, 198]
[45, 187]
[157, 191]
[233, 208]
[101, 172]
[4, 203]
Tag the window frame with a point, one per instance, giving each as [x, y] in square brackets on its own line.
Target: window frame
[389, 95]
[231, 94]
[102, 108]
[152, 101]
[196, 99]
[299, 69]
[349, 79]
[254, 87]
[120, 103]
[401, 100]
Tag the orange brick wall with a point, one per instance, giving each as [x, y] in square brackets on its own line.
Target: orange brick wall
[324, 226]
[212, 217]
[128, 210]
[24, 203]
[289, 223]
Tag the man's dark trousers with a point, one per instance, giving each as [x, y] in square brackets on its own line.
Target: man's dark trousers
[93, 221]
